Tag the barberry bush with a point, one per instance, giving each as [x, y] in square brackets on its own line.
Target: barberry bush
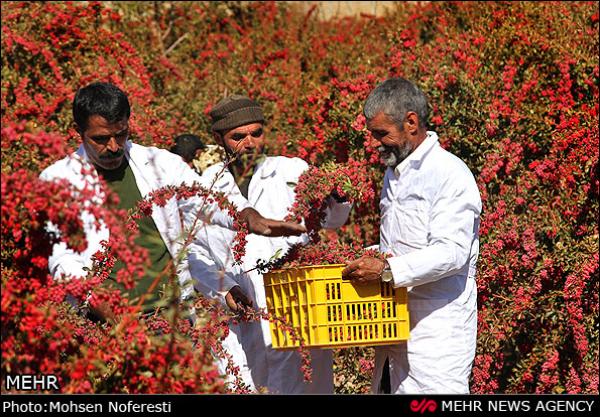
[513, 91]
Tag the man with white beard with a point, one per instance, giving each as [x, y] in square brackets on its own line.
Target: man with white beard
[430, 208]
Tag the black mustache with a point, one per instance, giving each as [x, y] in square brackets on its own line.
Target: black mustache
[112, 155]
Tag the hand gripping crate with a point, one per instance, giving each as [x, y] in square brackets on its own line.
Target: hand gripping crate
[327, 311]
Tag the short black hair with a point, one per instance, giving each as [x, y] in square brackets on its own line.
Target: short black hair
[104, 99]
[186, 146]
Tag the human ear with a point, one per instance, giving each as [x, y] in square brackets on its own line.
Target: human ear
[411, 122]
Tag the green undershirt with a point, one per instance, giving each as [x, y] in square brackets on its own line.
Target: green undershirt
[122, 182]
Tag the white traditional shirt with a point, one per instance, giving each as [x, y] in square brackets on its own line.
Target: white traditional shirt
[430, 208]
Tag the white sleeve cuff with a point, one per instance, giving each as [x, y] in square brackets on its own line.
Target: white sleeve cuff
[227, 284]
[239, 200]
[208, 278]
[400, 271]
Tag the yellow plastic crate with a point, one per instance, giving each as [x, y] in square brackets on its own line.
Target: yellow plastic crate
[327, 311]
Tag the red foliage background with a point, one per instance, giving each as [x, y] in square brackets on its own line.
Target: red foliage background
[513, 89]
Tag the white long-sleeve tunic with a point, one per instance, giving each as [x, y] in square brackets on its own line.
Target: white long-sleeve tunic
[430, 208]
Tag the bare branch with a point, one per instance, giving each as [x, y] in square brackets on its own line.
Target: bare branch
[177, 42]
[164, 35]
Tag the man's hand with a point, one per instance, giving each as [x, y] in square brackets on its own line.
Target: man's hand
[236, 299]
[364, 269]
[260, 225]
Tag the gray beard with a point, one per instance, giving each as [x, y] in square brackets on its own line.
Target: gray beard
[391, 156]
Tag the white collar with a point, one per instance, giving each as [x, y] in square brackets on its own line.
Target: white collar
[266, 167]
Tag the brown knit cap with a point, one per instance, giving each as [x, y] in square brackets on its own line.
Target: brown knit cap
[234, 111]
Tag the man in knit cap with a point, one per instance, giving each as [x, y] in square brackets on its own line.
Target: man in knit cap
[238, 126]
[268, 182]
